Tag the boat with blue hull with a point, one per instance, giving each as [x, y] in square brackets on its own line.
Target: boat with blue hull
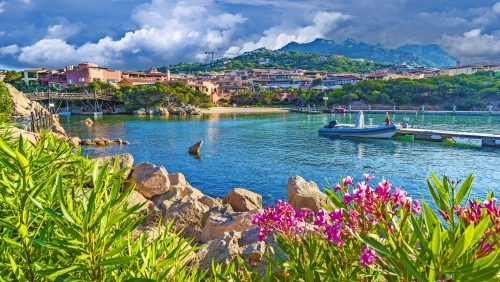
[358, 130]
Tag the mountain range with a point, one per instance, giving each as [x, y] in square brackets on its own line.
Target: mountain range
[423, 55]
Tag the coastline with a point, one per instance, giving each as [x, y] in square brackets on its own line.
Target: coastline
[242, 110]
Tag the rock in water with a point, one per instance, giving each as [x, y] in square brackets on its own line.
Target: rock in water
[58, 129]
[87, 121]
[195, 149]
[75, 141]
[242, 200]
[302, 194]
[150, 180]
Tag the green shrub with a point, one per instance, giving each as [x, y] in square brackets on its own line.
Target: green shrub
[54, 227]
[5, 104]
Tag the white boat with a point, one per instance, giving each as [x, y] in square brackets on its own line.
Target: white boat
[358, 130]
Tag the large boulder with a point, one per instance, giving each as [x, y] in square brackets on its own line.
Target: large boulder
[166, 200]
[195, 149]
[221, 251]
[217, 224]
[124, 160]
[15, 133]
[222, 209]
[87, 121]
[75, 142]
[302, 194]
[243, 200]
[58, 130]
[150, 180]
[209, 201]
[187, 215]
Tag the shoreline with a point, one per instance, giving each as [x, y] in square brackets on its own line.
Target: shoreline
[243, 110]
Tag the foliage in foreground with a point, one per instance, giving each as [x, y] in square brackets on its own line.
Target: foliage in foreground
[372, 234]
[53, 227]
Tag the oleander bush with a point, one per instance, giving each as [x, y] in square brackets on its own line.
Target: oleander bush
[54, 227]
[380, 234]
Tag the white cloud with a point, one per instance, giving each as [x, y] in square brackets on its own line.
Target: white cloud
[280, 35]
[167, 32]
[473, 45]
[496, 8]
[10, 50]
[63, 30]
[2, 9]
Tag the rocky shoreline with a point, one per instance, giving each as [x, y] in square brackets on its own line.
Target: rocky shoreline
[222, 226]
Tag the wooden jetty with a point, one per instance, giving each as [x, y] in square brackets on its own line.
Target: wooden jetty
[487, 140]
[40, 96]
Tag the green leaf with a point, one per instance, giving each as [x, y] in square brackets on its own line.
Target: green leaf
[480, 228]
[409, 265]
[482, 275]
[377, 246]
[59, 271]
[462, 244]
[419, 234]
[476, 265]
[118, 260]
[464, 190]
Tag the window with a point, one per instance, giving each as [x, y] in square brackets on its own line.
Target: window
[70, 81]
[81, 79]
[112, 80]
[96, 79]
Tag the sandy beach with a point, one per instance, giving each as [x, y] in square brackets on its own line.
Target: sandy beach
[242, 110]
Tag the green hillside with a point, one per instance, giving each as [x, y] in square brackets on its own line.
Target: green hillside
[286, 60]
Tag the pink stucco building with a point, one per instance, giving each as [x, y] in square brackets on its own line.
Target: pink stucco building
[87, 72]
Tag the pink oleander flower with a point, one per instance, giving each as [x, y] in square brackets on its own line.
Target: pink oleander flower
[281, 217]
[347, 181]
[337, 187]
[444, 215]
[383, 190]
[399, 197]
[417, 209]
[486, 247]
[353, 215]
[367, 256]
[347, 198]
[320, 219]
[490, 206]
[368, 177]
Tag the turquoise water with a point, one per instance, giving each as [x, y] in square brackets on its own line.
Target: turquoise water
[260, 152]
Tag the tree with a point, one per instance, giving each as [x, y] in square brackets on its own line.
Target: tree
[5, 104]
[11, 76]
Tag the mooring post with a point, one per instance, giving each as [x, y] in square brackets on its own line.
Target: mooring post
[490, 109]
[349, 107]
[393, 108]
[423, 108]
[454, 108]
[369, 108]
[32, 122]
[113, 103]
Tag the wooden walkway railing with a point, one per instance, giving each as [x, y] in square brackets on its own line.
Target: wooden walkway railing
[40, 121]
[39, 96]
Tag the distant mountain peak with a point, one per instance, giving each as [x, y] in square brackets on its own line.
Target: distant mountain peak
[423, 55]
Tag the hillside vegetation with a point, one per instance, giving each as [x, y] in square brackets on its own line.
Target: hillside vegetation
[464, 91]
[286, 60]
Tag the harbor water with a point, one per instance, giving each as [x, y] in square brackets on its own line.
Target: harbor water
[260, 152]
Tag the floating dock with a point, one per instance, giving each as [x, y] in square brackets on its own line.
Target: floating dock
[487, 140]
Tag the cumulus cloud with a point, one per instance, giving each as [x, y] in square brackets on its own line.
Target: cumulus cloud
[2, 9]
[64, 29]
[280, 35]
[472, 45]
[166, 31]
[496, 8]
[11, 50]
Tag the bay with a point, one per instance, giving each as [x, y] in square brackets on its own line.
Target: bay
[260, 152]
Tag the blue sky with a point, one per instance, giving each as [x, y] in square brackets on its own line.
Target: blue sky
[138, 34]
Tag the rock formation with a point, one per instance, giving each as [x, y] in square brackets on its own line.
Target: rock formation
[87, 121]
[242, 200]
[195, 149]
[302, 194]
[150, 180]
